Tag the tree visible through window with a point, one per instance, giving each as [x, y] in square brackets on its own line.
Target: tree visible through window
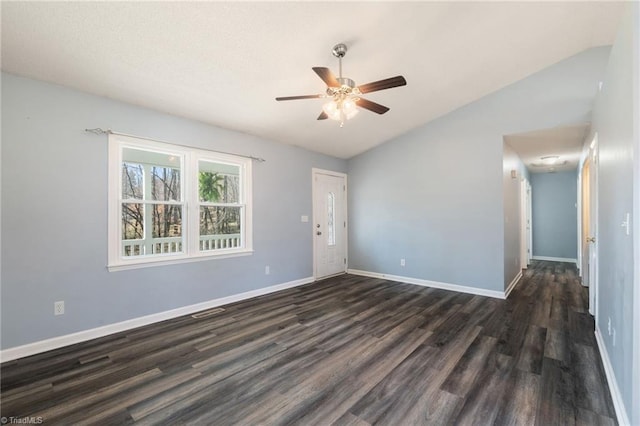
[220, 211]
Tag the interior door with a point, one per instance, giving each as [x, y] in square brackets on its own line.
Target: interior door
[593, 228]
[525, 224]
[586, 218]
[529, 225]
[329, 223]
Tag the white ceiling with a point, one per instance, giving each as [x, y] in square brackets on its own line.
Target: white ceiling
[223, 63]
[565, 142]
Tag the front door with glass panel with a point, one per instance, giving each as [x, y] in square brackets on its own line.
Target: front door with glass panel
[329, 223]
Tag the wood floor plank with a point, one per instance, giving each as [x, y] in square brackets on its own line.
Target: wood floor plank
[465, 373]
[348, 350]
[521, 403]
[556, 405]
[590, 389]
[530, 358]
[486, 399]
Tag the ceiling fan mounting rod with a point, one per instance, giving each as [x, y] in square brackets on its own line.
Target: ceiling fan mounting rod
[339, 50]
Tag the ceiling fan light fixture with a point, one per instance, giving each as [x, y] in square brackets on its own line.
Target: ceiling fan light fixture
[340, 110]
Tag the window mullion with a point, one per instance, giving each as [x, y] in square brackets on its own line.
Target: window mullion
[194, 207]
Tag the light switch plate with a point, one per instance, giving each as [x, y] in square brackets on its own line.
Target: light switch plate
[304, 218]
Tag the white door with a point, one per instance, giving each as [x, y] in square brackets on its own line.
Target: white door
[585, 226]
[329, 223]
[525, 224]
[529, 225]
[593, 228]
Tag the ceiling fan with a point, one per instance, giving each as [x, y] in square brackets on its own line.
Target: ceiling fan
[344, 93]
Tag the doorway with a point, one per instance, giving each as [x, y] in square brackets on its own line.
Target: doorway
[329, 223]
[525, 224]
[589, 220]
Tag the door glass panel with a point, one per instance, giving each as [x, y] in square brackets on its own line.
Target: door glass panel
[331, 227]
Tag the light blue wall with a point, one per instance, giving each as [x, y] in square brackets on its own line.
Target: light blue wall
[616, 114]
[554, 215]
[54, 215]
[512, 198]
[434, 196]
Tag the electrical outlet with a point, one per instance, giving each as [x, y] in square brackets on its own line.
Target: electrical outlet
[58, 308]
[267, 270]
[401, 262]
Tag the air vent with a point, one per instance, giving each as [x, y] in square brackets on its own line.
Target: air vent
[208, 313]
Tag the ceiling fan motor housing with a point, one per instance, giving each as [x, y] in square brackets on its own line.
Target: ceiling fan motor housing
[339, 50]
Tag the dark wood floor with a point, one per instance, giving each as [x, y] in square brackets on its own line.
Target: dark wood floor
[348, 350]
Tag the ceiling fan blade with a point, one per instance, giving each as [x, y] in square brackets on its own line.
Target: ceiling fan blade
[387, 83]
[293, 98]
[372, 106]
[323, 116]
[327, 76]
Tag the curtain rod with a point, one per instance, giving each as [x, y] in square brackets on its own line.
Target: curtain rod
[99, 131]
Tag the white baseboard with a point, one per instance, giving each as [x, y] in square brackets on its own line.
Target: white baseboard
[618, 403]
[427, 283]
[556, 259]
[512, 284]
[82, 336]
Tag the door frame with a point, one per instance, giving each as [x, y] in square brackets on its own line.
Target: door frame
[315, 172]
[583, 218]
[525, 224]
[593, 158]
[530, 219]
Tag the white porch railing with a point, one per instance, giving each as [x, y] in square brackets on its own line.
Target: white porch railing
[217, 242]
[174, 244]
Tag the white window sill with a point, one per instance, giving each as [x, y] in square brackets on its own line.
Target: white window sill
[147, 263]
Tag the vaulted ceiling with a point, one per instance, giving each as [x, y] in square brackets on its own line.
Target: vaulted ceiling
[223, 63]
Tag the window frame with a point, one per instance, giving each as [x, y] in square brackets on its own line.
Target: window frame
[189, 172]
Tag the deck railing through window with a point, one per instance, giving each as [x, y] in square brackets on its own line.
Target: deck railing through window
[174, 244]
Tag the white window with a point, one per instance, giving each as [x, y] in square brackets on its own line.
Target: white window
[171, 204]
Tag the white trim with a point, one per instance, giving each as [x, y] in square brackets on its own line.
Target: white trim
[512, 284]
[594, 214]
[530, 219]
[556, 259]
[523, 224]
[432, 284]
[616, 395]
[157, 261]
[82, 336]
[635, 358]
